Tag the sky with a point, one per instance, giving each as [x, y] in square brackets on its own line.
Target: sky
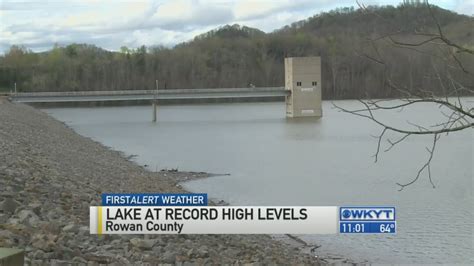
[110, 24]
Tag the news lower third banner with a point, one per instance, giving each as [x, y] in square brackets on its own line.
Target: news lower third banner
[190, 214]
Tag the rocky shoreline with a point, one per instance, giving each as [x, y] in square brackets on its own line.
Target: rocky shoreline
[49, 176]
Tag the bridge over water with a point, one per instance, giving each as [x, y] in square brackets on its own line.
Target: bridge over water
[141, 95]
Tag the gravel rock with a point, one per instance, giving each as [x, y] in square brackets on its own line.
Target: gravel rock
[38, 254]
[3, 218]
[203, 252]
[146, 244]
[9, 205]
[28, 216]
[79, 260]
[45, 242]
[72, 227]
[169, 257]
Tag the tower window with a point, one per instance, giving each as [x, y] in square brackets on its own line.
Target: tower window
[298, 83]
[315, 83]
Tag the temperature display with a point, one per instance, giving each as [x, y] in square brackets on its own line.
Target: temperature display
[367, 227]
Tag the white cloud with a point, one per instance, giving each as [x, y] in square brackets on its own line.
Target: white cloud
[464, 7]
[248, 9]
[185, 15]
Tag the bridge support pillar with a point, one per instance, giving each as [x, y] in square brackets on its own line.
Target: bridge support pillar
[154, 111]
[155, 103]
[303, 80]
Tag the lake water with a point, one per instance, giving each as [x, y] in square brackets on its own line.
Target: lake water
[276, 161]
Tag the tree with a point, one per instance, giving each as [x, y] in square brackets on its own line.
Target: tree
[457, 116]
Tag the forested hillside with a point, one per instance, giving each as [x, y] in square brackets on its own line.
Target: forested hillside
[236, 56]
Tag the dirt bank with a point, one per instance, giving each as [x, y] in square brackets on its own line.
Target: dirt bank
[49, 176]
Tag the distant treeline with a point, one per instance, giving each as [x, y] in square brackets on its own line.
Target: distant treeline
[236, 56]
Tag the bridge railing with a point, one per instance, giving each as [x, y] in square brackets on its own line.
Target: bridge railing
[146, 92]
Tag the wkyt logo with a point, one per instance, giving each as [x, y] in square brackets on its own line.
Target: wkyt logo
[367, 214]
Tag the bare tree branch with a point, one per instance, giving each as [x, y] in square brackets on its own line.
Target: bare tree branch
[425, 166]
